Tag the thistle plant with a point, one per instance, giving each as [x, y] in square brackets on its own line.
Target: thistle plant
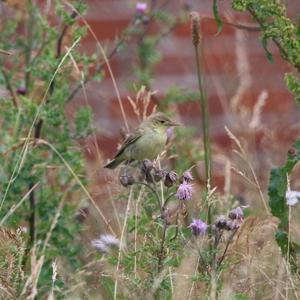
[161, 217]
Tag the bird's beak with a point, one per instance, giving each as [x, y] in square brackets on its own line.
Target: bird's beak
[171, 124]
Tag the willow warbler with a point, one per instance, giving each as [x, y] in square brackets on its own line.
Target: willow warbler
[147, 141]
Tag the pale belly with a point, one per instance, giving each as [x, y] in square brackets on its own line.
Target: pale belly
[147, 146]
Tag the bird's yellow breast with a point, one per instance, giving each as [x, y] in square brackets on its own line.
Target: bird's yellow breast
[149, 145]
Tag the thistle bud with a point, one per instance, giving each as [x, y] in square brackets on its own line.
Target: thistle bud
[236, 214]
[195, 27]
[221, 222]
[127, 180]
[186, 177]
[292, 152]
[147, 166]
[82, 214]
[158, 175]
[21, 90]
[232, 225]
[170, 179]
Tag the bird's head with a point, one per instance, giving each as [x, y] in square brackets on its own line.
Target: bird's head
[160, 120]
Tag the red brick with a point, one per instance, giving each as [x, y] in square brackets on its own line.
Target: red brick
[107, 29]
[107, 145]
[178, 68]
[193, 108]
[208, 27]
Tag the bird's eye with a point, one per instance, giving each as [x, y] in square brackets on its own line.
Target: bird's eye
[161, 121]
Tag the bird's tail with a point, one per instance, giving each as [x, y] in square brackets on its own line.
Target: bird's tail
[113, 164]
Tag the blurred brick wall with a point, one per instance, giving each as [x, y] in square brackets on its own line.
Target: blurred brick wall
[236, 69]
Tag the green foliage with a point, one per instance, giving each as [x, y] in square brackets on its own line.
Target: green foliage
[83, 122]
[276, 26]
[293, 84]
[217, 16]
[277, 191]
[19, 169]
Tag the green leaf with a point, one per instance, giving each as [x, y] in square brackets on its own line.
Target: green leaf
[278, 186]
[217, 16]
[282, 241]
[277, 200]
[293, 84]
[277, 189]
[264, 43]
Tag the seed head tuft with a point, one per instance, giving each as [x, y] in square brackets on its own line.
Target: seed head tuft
[105, 242]
[195, 27]
[292, 197]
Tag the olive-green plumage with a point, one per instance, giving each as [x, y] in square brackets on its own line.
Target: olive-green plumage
[147, 141]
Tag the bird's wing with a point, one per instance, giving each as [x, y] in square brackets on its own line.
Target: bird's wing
[130, 139]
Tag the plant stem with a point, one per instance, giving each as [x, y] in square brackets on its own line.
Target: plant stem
[161, 251]
[32, 216]
[207, 155]
[226, 247]
[167, 200]
[205, 131]
[28, 52]
[30, 35]
[205, 119]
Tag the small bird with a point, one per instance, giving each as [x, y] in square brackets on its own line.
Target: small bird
[147, 141]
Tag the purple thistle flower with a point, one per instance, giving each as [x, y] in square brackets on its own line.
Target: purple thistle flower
[187, 177]
[21, 90]
[141, 7]
[236, 214]
[184, 191]
[198, 227]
